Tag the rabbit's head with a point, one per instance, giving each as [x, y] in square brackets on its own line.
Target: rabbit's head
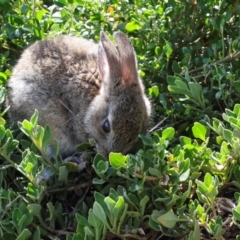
[121, 111]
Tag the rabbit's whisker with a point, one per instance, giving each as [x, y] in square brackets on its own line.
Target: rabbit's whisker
[158, 125]
[65, 106]
[73, 116]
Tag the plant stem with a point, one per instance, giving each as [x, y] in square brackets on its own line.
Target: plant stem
[228, 58]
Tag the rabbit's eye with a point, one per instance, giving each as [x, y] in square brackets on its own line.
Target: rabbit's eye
[106, 126]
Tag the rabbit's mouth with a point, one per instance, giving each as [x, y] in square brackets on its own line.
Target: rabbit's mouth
[103, 151]
[100, 149]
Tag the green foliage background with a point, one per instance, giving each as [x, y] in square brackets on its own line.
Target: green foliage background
[184, 183]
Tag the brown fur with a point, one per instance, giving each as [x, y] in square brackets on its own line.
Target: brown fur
[76, 85]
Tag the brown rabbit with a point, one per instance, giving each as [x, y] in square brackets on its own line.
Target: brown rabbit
[82, 90]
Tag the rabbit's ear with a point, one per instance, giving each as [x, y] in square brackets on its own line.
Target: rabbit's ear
[128, 59]
[108, 59]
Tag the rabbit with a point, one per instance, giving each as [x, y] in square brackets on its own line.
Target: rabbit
[82, 90]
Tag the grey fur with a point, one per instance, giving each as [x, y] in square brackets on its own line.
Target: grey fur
[76, 85]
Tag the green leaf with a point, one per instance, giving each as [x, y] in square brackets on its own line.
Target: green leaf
[62, 2]
[132, 26]
[168, 49]
[26, 127]
[4, 77]
[24, 235]
[228, 135]
[123, 215]
[236, 173]
[184, 176]
[236, 110]
[147, 140]
[196, 89]
[168, 133]
[89, 232]
[201, 187]
[100, 214]
[155, 172]
[143, 203]
[37, 234]
[25, 144]
[236, 213]
[93, 221]
[12, 146]
[229, 113]
[154, 91]
[2, 132]
[52, 213]
[237, 184]
[185, 140]
[102, 167]
[117, 160]
[133, 198]
[179, 89]
[26, 220]
[98, 157]
[187, 193]
[32, 191]
[84, 146]
[128, 199]
[208, 179]
[157, 50]
[113, 194]
[186, 60]
[196, 234]
[81, 220]
[2, 121]
[24, 8]
[199, 131]
[175, 67]
[99, 198]
[110, 203]
[171, 80]
[16, 215]
[184, 165]
[35, 209]
[38, 135]
[168, 219]
[63, 174]
[21, 222]
[155, 226]
[34, 118]
[29, 167]
[98, 181]
[46, 137]
[119, 206]
[181, 84]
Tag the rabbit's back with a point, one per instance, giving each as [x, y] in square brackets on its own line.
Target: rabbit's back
[57, 62]
[59, 77]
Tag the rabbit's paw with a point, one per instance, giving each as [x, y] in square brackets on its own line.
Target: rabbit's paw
[78, 159]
